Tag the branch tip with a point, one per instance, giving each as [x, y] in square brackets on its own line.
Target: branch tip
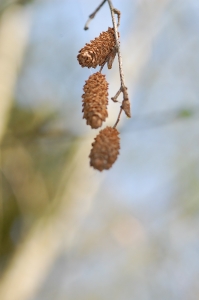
[92, 16]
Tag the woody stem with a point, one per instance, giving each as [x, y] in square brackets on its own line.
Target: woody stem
[118, 118]
[125, 103]
[92, 16]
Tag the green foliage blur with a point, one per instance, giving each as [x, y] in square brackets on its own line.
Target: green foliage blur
[33, 154]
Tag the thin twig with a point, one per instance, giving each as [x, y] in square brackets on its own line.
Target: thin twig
[118, 118]
[92, 16]
[118, 13]
[116, 96]
[125, 102]
[109, 59]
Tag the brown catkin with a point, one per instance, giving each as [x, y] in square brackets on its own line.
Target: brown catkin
[105, 149]
[95, 100]
[95, 53]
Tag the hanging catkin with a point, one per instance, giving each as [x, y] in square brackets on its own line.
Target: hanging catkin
[95, 53]
[95, 100]
[105, 149]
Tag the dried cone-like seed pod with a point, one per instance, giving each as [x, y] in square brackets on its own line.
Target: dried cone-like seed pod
[105, 149]
[95, 100]
[96, 52]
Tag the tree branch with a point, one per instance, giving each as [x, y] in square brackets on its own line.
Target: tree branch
[118, 118]
[125, 103]
[123, 89]
[92, 16]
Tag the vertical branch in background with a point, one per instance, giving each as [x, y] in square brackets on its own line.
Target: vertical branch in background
[13, 37]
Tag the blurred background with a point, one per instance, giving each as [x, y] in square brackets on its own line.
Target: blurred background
[66, 230]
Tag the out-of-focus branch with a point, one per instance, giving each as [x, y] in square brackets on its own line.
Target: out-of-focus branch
[139, 122]
[54, 231]
[13, 36]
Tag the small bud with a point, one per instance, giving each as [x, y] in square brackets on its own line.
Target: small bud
[111, 58]
[126, 107]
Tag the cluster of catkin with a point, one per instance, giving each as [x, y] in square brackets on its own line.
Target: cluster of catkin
[106, 145]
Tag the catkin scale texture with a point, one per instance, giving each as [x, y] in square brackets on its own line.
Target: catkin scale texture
[95, 53]
[95, 100]
[105, 149]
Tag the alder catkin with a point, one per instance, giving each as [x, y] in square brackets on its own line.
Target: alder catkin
[95, 100]
[95, 53]
[105, 149]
